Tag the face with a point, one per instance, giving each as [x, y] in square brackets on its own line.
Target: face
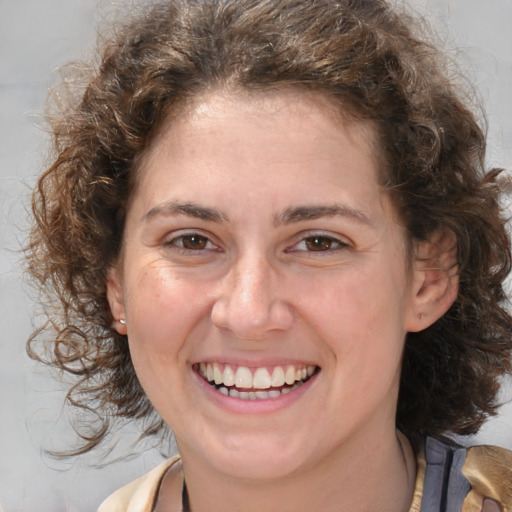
[264, 284]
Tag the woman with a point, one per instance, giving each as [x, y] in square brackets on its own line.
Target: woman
[269, 222]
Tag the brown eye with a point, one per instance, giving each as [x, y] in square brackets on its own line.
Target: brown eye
[193, 242]
[319, 243]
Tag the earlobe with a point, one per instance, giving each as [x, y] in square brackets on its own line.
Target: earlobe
[115, 299]
[435, 280]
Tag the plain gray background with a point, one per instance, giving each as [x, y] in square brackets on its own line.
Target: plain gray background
[36, 37]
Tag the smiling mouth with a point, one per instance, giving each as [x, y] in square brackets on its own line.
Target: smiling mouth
[255, 383]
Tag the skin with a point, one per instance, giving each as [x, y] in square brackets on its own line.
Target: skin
[256, 282]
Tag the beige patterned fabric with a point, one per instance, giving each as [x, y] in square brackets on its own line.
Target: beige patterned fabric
[141, 494]
[489, 471]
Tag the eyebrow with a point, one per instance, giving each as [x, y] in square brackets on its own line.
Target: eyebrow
[288, 216]
[188, 209]
[310, 212]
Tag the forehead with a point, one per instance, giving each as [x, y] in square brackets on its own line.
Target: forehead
[228, 109]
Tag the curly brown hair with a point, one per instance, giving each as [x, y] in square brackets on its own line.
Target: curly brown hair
[366, 57]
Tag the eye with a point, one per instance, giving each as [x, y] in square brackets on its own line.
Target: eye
[192, 242]
[318, 243]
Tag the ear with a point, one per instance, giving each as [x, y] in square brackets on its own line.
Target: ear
[115, 299]
[435, 280]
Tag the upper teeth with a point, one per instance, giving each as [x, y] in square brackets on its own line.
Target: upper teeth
[257, 378]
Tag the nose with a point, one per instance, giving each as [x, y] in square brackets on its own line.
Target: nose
[250, 302]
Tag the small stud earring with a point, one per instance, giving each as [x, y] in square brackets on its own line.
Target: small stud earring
[122, 321]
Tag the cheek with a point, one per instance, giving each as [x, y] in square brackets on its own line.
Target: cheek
[359, 319]
[362, 325]
[361, 301]
[160, 317]
[162, 310]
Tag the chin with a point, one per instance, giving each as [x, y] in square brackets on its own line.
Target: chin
[268, 467]
[254, 457]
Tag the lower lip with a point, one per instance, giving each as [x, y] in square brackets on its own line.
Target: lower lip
[265, 405]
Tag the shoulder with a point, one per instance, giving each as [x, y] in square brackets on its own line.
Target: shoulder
[488, 470]
[476, 479]
[139, 495]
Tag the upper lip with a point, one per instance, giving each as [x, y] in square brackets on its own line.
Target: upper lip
[254, 363]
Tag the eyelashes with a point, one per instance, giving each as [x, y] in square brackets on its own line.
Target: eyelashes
[318, 243]
[192, 242]
[196, 243]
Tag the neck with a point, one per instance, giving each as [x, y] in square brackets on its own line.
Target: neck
[378, 478]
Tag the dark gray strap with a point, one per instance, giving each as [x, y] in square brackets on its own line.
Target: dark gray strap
[444, 487]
